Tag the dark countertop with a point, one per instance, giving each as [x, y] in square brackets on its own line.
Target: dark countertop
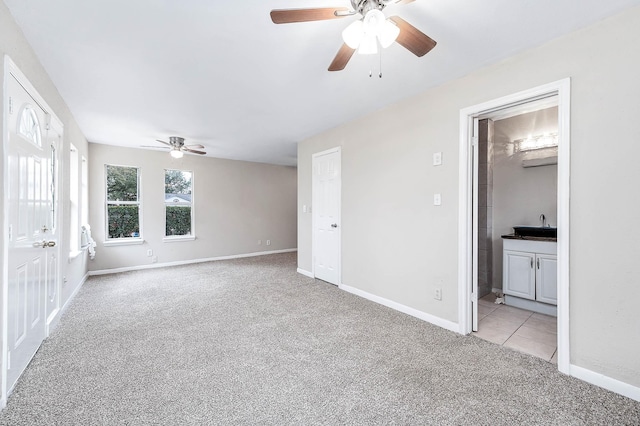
[520, 237]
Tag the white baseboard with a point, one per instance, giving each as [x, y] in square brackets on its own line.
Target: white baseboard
[305, 273]
[605, 382]
[73, 295]
[451, 326]
[187, 262]
[54, 323]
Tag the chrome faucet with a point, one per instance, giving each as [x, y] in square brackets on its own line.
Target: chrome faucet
[543, 219]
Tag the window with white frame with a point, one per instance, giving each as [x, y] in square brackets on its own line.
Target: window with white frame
[123, 202]
[84, 194]
[74, 208]
[178, 201]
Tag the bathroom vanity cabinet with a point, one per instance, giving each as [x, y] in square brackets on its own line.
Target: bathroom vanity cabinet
[529, 274]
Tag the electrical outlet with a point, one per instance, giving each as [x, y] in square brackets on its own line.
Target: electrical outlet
[268, 242]
[437, 199]
[154, 259]
[437, 294]
[149, 253]
[259, 242]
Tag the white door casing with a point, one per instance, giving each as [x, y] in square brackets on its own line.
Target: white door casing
[466, 252]
[326, 189]
[31, 296]
[475, 223]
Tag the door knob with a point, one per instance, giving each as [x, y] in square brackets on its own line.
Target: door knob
[44, 244]
[334, 225]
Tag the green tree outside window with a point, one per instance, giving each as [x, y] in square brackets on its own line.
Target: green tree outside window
[123, 205]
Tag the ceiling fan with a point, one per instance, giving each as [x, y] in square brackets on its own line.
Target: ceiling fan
[177, 148]
[364, 34]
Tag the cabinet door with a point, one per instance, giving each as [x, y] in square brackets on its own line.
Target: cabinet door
[547, 278]
[519, 277]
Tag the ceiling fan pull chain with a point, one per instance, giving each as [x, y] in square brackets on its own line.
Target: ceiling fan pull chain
[380, 75]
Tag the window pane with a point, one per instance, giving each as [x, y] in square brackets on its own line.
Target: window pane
[122, 183]
[123, 221]
[177, 182]
[178, 220]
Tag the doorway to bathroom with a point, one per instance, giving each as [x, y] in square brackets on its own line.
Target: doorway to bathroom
[514, 171]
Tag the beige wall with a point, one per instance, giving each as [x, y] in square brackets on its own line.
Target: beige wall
[397, 245]
[521, 195]
[236, 203]
[13, 44]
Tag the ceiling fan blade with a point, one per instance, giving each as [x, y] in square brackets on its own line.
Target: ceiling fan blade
[166, 143]
[286, 16]
[193, 151]
[154, 147]
[411, 38]
[196, 146]
[404, 1]
[342, 58]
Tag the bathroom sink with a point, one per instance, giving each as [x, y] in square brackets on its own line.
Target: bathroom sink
[536, 231]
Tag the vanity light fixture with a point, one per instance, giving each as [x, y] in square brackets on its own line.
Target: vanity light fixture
[547, 140]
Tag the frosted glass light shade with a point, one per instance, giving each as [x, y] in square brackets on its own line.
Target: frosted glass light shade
[368, 45]
[388, 33]
[176, 153]
[352, 35]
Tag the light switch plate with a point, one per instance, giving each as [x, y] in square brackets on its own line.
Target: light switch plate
[437, 158]
[437, 199]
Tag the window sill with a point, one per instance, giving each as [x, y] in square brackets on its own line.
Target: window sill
[123, 242]
[74, 254]
[178, 239]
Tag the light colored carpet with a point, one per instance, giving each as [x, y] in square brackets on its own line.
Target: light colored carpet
[250, 341]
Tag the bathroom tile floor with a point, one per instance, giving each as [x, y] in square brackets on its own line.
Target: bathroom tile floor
[519, 329]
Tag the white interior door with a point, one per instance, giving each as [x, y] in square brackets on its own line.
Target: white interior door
[32, 260]
[326, 216]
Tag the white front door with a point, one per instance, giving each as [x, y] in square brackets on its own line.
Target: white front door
[326, 216]
[32, 255]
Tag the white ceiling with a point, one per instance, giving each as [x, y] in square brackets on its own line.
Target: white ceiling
[223, 75]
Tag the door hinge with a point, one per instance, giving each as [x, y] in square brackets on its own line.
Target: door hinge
[474, 141]
[10, 233]
[10, 105]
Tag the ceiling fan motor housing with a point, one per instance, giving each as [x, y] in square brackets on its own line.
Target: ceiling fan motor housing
[176, 141]
[364, 6]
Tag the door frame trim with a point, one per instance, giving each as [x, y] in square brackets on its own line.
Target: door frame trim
[12, 70]
[315, 155]
[561, 88]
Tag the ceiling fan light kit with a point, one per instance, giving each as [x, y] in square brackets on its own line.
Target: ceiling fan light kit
[364, 34]
[176, 153]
